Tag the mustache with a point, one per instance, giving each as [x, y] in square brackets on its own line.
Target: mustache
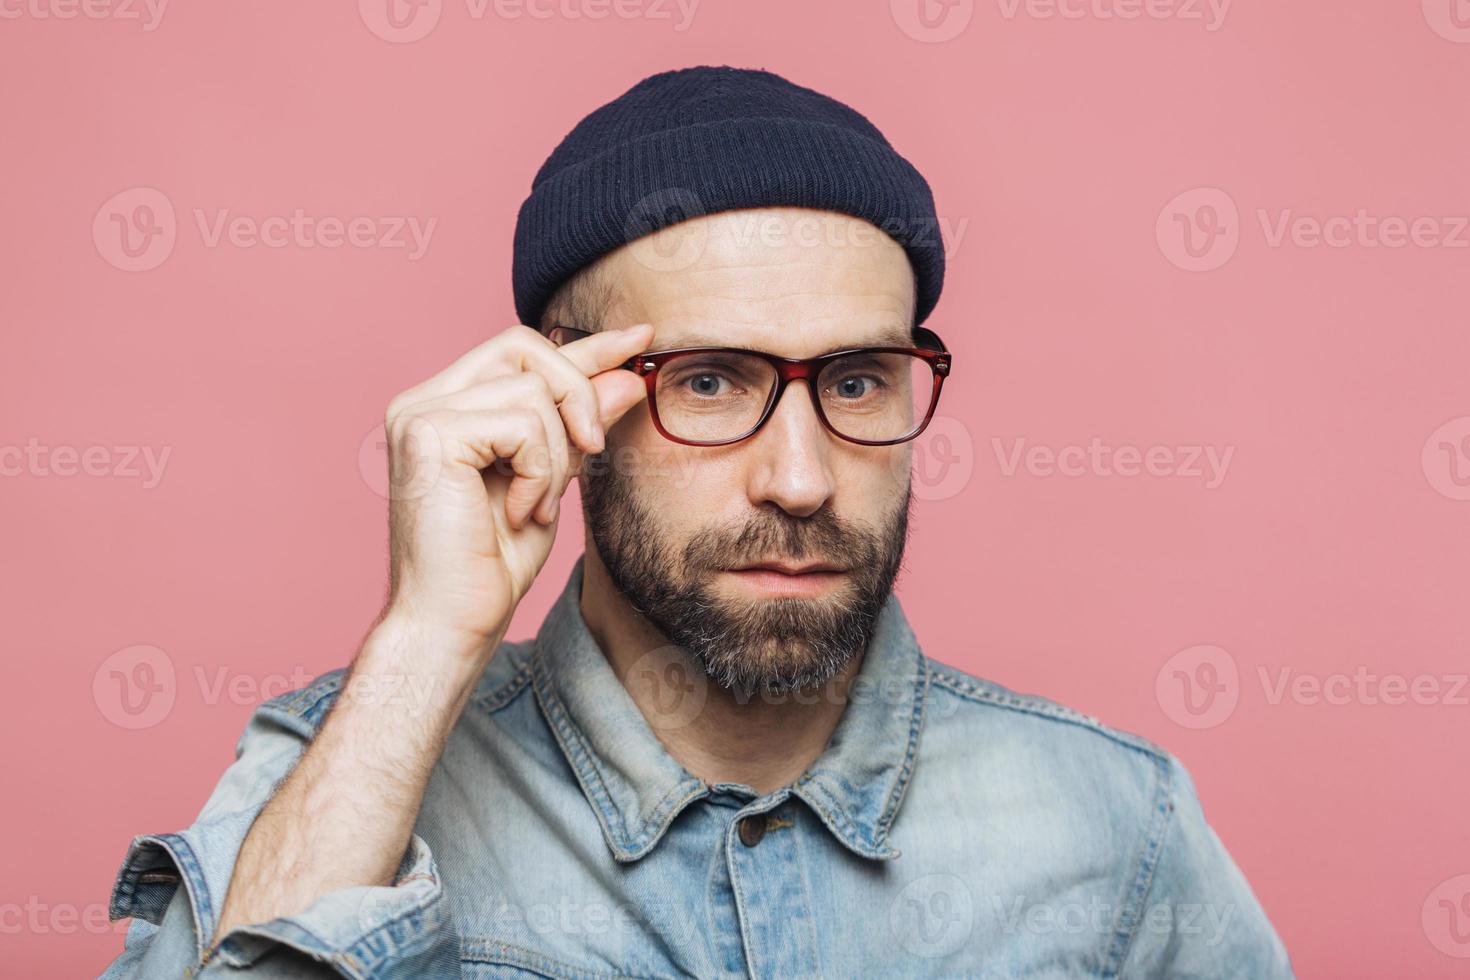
[773, 534]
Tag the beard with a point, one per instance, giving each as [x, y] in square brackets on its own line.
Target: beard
[772, 646]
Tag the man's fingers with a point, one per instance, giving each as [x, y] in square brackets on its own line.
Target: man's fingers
[556, 447]
[617, 392]
[606, 349]
[479, 439]
[522, 350]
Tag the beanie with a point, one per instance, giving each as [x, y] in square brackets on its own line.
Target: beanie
[702, 140]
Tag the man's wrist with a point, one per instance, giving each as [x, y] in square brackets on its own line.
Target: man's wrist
[408, 665]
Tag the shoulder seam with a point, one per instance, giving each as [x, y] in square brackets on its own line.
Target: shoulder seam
[1155, 840]
[300, 706]
[497, 698]
[951, 680]
[296, 708]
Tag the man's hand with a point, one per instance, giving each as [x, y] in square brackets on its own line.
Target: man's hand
[469, 534]
[468, 537]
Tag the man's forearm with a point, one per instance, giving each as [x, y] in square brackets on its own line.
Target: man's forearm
[345, 814]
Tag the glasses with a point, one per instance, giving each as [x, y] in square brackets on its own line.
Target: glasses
[713, 396]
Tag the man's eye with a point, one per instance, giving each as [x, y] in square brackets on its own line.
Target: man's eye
[707, 385]
[855, 386]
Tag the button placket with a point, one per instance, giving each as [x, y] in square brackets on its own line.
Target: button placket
[776, 921]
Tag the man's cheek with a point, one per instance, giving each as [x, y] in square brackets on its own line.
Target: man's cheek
[895, 467]
[871, 487]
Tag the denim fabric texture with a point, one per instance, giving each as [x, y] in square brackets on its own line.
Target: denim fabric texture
[950, 828]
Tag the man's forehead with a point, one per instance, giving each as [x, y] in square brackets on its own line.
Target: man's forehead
[791, 280]
[791, 340]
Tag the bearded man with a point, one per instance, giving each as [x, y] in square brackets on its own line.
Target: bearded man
[723, 753]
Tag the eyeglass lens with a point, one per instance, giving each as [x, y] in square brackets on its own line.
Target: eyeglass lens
[714, 396]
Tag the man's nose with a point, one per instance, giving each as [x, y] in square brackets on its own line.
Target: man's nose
[790, 457]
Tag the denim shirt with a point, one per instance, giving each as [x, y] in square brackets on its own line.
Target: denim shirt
[950, 828]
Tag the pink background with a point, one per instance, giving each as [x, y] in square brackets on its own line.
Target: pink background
[1058, 148]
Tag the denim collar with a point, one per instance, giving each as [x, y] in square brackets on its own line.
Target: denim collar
[636, 788]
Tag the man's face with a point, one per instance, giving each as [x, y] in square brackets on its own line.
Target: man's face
[678, 527]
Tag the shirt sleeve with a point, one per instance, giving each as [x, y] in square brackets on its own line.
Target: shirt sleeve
[1200, 917]
[392, 931]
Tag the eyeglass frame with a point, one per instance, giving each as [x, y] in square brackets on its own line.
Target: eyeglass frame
[788, 369]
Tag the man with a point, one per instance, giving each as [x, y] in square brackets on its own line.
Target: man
[723, 753]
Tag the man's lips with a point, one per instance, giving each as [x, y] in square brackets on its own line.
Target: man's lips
[789, 568]
[791, 579]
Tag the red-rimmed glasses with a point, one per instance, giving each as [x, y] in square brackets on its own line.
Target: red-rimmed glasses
[714, 396]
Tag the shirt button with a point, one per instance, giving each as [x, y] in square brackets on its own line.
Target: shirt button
[752, 829]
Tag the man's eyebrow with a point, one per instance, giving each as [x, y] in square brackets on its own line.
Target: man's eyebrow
[892, 337]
